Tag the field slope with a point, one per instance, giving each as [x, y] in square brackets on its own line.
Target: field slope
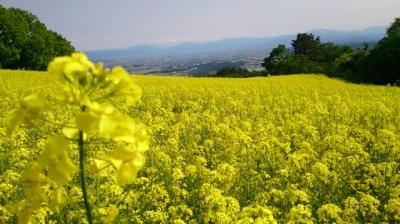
[299, 149]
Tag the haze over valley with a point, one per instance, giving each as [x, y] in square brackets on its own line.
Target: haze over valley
[202, 58]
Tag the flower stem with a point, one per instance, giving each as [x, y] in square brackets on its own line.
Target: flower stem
[83, 177]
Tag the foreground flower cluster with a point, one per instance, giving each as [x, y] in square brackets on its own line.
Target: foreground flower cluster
[91, 94]
[290, 149]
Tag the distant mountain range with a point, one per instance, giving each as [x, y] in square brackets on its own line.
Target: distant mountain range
[242, 44]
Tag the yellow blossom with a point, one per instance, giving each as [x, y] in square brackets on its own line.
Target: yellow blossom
[33, 181]
[127, 161]
[55, 159]
[27, 110]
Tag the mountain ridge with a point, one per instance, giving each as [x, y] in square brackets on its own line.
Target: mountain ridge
[235, 44]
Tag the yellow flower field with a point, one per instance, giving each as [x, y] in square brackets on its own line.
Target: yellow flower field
[285, 149]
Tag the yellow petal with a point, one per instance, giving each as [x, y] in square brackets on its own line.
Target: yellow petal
[123, 152]
[116, 163]
[127, 169]
[33, 103]
[111, 214]
[57, 198]
[25, 215]
[55, 158]
[138, 161]
[61, 173]
[107, 126]
[74, 68]
[13, 120]
[55, 146]
[71, 132]
[33, 181]
[87, 122]
[119, 72]
[100, 167]
[126, 174]
[57, 65]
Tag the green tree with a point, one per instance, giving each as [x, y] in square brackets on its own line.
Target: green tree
[277, 60]
[234, 72]
[307, 45]
[26, 43]
[394, 29]
[329, 53]
[349, 63]
[382, 64]
[282, 61]
[301, 64]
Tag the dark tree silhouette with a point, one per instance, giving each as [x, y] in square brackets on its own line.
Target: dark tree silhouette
[382, 64]
[26, 43]
[307, 45]
[277, 60]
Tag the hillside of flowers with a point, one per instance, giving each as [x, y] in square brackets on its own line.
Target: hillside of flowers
[287, 149]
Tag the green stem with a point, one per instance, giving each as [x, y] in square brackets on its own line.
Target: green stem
[83, 177]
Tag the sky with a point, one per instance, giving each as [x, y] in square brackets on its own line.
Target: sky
[110, 24]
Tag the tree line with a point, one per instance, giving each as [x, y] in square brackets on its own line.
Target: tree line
[307, 54]
[26, 43]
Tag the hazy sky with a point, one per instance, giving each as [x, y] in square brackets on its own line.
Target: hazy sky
[102, 24]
